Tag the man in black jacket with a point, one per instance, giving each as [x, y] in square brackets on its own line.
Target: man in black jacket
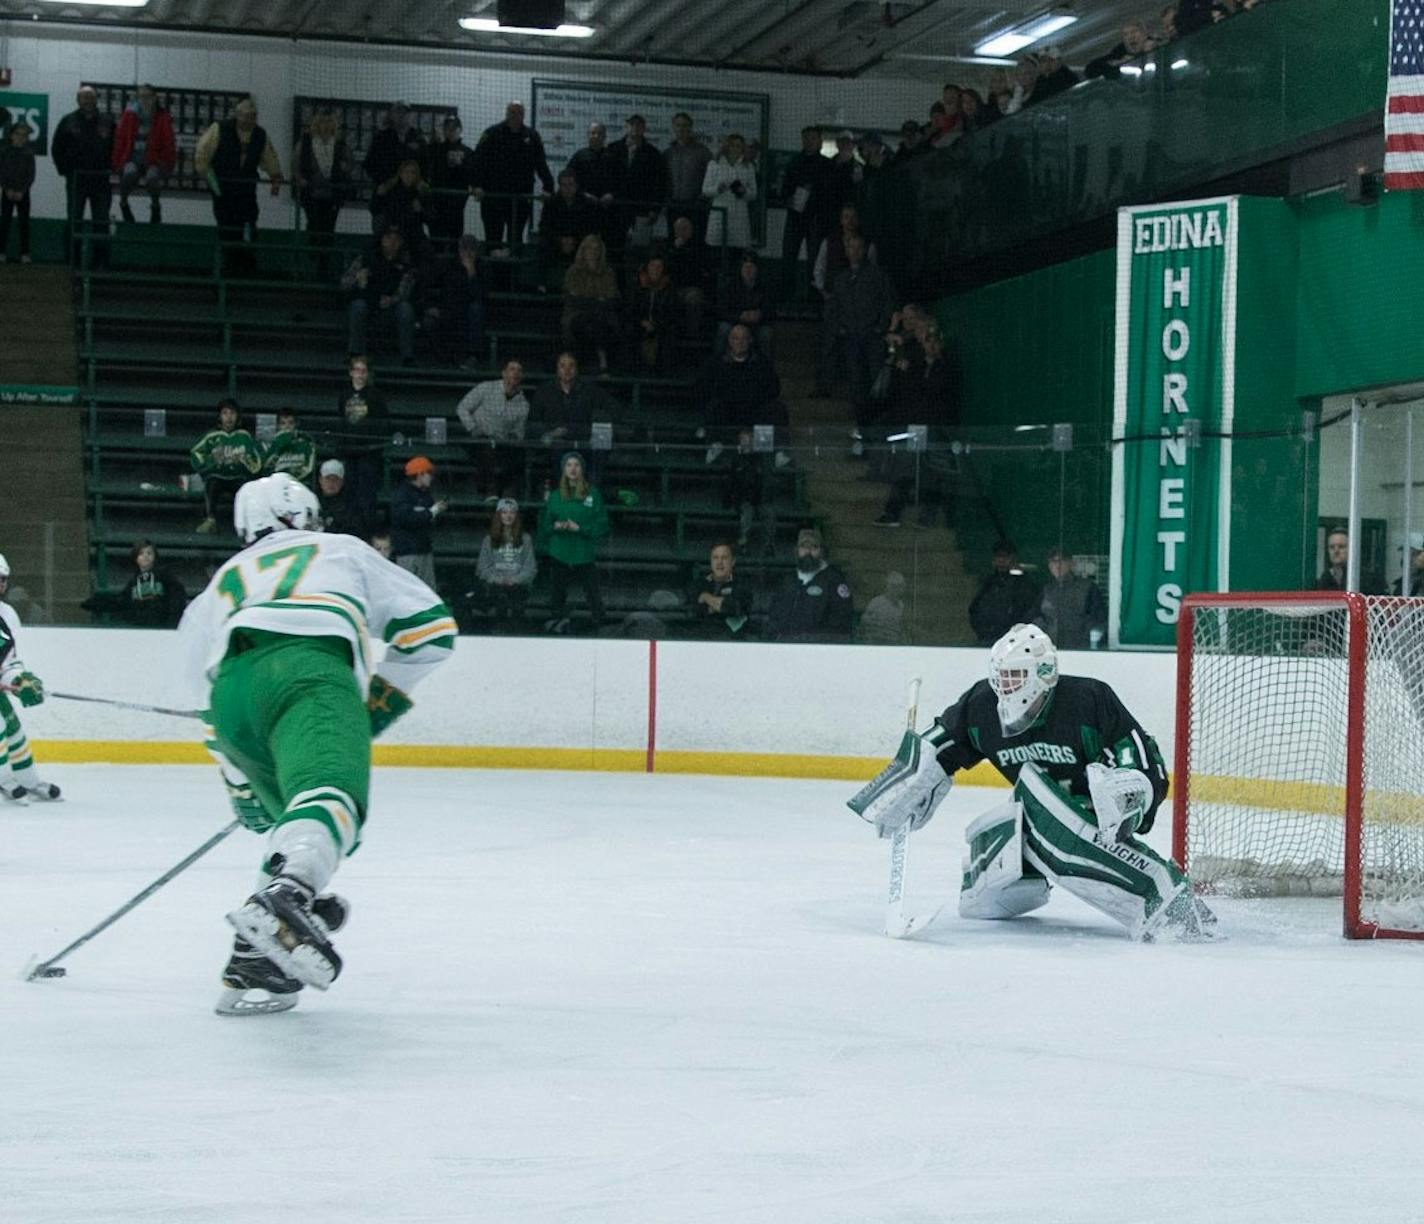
[1007, 597]
[721, 603]
[414, 510]
[397, 141]
[450, 171]
[600, 183]
[741, 390]
[565, 411]
[816, 605]
[82, 150]
[644, 182]
[807, 191]
[507, 159]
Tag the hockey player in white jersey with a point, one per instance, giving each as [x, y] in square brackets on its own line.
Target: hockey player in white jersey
[19, 779]
[281, 641]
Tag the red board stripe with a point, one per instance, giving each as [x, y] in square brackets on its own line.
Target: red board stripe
[652, 703]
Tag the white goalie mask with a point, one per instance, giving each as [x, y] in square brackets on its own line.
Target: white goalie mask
[1023, 668]
[4, 575]
[273, 503]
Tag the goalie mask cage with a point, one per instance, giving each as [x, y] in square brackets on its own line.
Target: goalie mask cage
[1300, 752]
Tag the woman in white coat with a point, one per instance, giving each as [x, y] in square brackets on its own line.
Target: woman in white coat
[730, 184]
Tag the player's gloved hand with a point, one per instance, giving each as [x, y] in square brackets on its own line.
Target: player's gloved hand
[385, 703]
[29, 689]
[1120, 798]
[246, 806]
[907, 790]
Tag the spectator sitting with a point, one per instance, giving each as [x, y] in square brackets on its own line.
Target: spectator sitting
[1054, 76]
[746, 491]
[322, 174]
[729, 187]
[857, 318]
[652, 312]
[1007, 597]
[506, 568]
[749, 304]
[687, 265]
[226, 458]
[362, 437]
[17, 175]
[145, 153]
[151, 599]
[646, 624]
[414, 510]
[397, 141]
[591, 316]
[1135, 44]
[566, 408]
[381, 542]
[574, 520]
[457, 305]
[339, 513]
[382, 282]
[1071, 609]
[450, 170]
[400, 202]
[643, 182]
[568, 218]
[741, 389]
[721, 604]
[495, 414]
[816, 605]
[290, 450]
[883, 621]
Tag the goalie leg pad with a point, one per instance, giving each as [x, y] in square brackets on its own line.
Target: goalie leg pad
[994, 883]
[1126, 879]
[907, 790]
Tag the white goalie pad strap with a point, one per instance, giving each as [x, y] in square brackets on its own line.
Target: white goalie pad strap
[1120, 798]
[906, 790]
[994, 884]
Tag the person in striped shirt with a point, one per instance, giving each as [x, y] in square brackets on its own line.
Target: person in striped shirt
[280, 644]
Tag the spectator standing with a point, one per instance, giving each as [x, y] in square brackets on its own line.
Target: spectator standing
[403, 202]
[643, 178]
[322, 172]
[721, 603]
[858, 315]
[291, 450]
[17, 176]
[747, 492]
[816, 605]
[495, 415]
[831, 259]
[912, 143]
[151, 599]
[971, 111]
[1134, 44]
[506, 567]
[1166, 25]
[729, 188]
[145, 153]
[747, 303]
[458, 304]
[591, 317]
[1189, 16]
[226, 458]
[687, 159]
[398, 140]
[573, 522]
[363, 433]
[339, 513]
[846, 174]
[652, 317]
[1336, 574]
[686, 259]
[382, 283]
[1071, 609]
[414, 510]
[450, 171]
[931, 399]
[83, 153]
[806, 191]
[1054, 76]
[229, 155]
[600, 183]
[1411, 581]
[567, 219]
[1007, 597]
[508, 158]
[566, 408]
[883, 621]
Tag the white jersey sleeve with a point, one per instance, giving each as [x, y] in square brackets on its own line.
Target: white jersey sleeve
[307, 584]
[10, 665]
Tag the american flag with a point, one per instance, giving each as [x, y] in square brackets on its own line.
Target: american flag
[1404, 116]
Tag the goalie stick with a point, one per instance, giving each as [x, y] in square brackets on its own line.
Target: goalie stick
[897, 925]
[43, 970]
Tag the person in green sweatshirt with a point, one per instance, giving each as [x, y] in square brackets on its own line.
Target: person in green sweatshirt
[290, 450]
[226, 458]
[573, 522]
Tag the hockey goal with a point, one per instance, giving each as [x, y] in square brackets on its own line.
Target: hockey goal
[1300, 752]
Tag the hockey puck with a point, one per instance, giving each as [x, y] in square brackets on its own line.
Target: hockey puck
[35, 972]
[51, 971]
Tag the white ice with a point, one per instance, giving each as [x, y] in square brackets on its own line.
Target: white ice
[591, 997]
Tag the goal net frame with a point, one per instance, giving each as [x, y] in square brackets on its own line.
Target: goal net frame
[1352, 797]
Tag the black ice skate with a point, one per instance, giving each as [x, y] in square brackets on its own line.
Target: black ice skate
[253, 985]
[45, 792]
[13, 792]
[282, 922]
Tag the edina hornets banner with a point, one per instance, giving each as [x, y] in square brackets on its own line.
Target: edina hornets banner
[1172, 413]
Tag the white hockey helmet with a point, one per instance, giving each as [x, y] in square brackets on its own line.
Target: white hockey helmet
[1023, 668]
[273, 503]
[4, 574]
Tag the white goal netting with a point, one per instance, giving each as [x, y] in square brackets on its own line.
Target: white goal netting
[1270, 757]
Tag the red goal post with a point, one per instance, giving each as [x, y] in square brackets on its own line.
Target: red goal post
[1299, 759]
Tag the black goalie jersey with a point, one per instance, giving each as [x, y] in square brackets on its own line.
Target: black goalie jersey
[1083, 722]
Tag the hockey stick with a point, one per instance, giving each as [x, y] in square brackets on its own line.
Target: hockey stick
[128, 705]
[33, 972]
[896, 924]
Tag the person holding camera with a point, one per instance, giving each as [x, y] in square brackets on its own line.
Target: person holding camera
[729, 188]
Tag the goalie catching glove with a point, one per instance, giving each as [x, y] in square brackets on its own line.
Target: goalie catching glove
[1120, 798]
[908, 789]
[385, 703]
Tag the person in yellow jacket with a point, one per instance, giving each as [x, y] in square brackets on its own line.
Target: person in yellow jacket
[573, 522]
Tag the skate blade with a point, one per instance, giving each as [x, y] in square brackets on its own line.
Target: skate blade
[252, 1002]
[263, 930]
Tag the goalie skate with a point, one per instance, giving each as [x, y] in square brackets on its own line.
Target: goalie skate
[254, 986]
[282, 923]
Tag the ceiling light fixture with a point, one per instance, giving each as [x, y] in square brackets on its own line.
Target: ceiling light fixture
[490, 25]
[102, 3]
[1018, 37]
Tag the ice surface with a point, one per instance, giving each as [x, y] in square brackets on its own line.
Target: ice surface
[656, 1000]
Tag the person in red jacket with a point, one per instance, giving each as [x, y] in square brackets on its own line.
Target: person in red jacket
[144, 151]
